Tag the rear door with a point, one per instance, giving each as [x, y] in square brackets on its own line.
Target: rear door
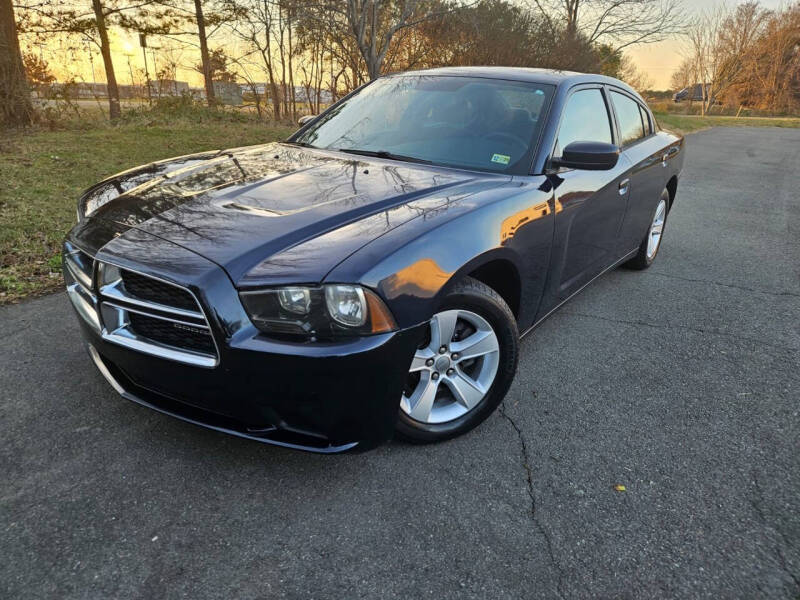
[645, 152]
[589, 205]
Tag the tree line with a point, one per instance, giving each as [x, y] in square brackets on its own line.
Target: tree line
[330, 47]
[745, 56]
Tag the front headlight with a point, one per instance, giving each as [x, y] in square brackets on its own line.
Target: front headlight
[346, 304]
[295, 300]
[330, 311]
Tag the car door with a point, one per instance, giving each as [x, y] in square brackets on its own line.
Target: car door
[645, 152]
[589, 205]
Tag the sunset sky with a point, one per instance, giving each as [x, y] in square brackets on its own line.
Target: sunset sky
[658, 60]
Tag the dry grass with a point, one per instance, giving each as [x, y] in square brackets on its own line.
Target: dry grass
[688, 123]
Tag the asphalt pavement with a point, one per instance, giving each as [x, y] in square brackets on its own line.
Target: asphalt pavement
[680, 383]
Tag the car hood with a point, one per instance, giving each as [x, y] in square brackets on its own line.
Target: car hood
[276, 212]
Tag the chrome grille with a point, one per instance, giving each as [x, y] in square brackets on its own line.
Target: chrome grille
[158, 292]
[172, 333]
[79, 277]
[138, 311]
[81, 266]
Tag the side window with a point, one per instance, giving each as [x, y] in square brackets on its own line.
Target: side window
[629, 117]
[648, 127]
[585, 119]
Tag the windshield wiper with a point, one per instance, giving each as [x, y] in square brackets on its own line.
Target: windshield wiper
[386, 154]
[301, 144]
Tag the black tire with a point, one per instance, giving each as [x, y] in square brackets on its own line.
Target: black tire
[641, 260]
[472, 295]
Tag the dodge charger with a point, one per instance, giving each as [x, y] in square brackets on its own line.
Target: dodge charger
[372, 275]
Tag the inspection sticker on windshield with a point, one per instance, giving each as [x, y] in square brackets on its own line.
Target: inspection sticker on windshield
[501, 158]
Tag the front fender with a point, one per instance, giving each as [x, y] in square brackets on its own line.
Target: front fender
[414, 266]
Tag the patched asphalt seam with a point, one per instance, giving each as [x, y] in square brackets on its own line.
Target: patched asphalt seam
[779, 554]
[526, 463]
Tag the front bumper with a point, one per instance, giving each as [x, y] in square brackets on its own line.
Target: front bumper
[327, 400]
[323, 397]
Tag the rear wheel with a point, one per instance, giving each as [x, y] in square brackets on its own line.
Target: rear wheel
[463, 366]
[648, 249]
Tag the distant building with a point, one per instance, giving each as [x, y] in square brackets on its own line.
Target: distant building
[87, 90]
[301, 94]
[225, 92]
[168, 87]
[132, 91]
[260, 88]
[228, 93]
[73, 89]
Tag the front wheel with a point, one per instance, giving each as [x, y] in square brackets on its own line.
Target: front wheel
[462, 368]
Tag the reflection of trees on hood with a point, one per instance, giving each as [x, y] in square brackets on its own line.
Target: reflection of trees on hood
[245, 186]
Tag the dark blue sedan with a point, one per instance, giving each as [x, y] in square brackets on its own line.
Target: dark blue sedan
[373, 274]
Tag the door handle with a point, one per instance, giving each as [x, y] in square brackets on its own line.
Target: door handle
[623, 186]
[667, 155]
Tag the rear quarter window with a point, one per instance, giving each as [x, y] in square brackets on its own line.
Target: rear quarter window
[648, 126]
[629, 116]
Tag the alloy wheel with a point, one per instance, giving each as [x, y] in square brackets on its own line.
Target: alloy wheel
[453, 369]
[656, 229]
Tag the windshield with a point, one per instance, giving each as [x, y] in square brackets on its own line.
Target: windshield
[465, 122]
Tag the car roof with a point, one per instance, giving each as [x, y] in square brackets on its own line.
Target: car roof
[549, 76]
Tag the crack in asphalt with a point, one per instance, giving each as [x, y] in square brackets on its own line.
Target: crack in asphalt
[727, 285]
[534, 515]
[756, 504]
[684, 327]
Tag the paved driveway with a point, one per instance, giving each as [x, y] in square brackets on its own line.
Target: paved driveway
[681, 383]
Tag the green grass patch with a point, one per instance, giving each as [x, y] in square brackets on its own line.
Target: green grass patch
[689, 123]
[44, 172]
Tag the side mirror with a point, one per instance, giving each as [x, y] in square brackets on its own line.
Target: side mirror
[305, 119]
[591, 156]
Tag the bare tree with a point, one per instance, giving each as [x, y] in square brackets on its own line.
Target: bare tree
[326, 20]
[260, 31]
[778, 52]
[720, 43]
[311, 64]
[763, 57]
[374, 23]
[243, 68]
[702, 36]
[618, 23]
[15, 99]
[201, 34]
[114, 110]
[683, 76]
